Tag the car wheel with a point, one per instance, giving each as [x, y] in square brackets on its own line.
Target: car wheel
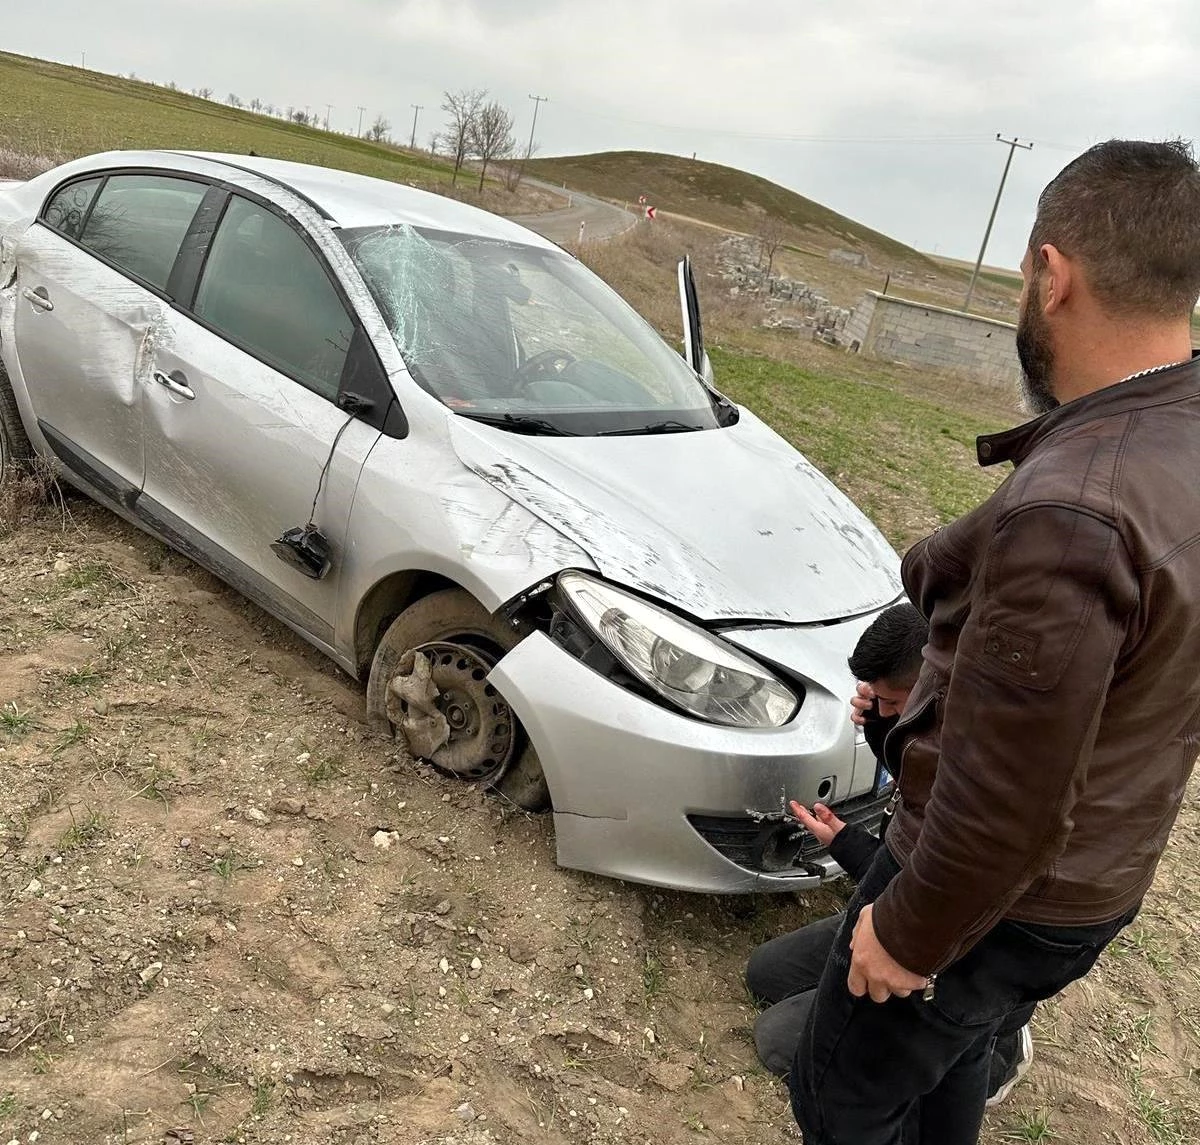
[15, 450]
[428, 686]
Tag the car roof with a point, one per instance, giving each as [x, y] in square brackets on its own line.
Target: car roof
[352, 200]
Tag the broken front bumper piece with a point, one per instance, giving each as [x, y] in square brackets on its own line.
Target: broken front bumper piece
[646, 794]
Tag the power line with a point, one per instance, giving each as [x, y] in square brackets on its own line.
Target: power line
[948, 138]
[1073, 148]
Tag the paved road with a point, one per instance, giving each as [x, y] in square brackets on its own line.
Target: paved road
[601, 220]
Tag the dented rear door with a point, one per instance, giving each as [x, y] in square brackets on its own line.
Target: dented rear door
[92, 277]
[81, 335]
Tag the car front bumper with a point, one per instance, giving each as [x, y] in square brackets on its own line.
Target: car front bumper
[645, 794]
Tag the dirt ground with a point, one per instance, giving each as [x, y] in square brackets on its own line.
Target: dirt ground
[228, 913]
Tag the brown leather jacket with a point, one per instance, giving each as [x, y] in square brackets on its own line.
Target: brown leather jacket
[1044, 751]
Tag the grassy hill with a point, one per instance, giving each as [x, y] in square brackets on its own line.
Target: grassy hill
[720, 195]
[61, 112]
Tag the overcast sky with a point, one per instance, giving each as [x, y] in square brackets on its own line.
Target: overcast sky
[884, 110]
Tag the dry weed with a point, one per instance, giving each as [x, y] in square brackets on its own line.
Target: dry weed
[24, 165]
[23, 492]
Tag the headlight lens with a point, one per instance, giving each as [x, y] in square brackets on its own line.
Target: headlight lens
[691, 668]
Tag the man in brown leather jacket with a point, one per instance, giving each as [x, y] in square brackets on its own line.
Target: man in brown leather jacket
[1044, 750]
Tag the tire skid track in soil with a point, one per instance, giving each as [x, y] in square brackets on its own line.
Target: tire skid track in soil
[226, 906]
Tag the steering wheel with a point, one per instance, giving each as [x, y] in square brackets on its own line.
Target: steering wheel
[546, 364]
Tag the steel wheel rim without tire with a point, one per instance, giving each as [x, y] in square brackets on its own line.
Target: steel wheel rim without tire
[482, 727]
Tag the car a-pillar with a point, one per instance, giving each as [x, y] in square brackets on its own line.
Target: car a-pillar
[428, 688]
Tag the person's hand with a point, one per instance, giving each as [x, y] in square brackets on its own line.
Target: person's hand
[873, 970]
[822, 822]
[861, 702]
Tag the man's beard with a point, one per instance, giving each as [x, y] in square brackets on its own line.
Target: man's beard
[1036, 352]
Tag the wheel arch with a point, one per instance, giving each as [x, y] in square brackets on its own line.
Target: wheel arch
[384, 601]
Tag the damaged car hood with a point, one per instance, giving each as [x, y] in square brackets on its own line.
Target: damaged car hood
[729, 524]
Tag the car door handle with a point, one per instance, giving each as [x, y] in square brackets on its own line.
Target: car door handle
[176, 381]
[38, 297]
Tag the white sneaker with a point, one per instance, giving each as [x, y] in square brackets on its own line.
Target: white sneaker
[1017, 1069]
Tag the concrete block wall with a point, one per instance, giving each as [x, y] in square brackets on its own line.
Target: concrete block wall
[921, 335]
[854, 334]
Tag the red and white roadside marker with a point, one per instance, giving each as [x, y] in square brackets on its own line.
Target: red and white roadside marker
[652, 212]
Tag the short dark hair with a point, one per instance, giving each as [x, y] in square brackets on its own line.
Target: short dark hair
[890, 648]
[1129, 212]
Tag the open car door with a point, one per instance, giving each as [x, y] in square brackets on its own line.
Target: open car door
[693, 332]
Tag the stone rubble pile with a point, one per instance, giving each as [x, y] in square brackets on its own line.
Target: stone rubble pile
[789, 303]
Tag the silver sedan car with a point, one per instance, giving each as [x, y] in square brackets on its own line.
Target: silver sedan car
[450, 457]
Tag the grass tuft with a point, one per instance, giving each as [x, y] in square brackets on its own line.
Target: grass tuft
[84, 831]
[1031, 1127]
[15, 721]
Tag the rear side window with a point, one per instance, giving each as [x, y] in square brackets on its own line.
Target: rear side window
[68, 207]
[267, 291]
[139, 221]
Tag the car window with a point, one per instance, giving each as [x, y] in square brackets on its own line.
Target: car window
[265, 289]
[139, 221]
[67, 207]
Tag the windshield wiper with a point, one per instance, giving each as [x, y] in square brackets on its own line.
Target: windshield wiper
[519, 423]
[653, 427]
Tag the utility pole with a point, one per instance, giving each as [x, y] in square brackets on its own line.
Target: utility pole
[1012, 145]
[417, 108]
[328, 110]
[83, 61]
[538, 100]
[361, 109]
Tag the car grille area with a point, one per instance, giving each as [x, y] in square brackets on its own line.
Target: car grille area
[772, 845]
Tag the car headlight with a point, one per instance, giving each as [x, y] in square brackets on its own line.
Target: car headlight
[694, 670]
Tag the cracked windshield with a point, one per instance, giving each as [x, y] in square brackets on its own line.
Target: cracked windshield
[525, 338]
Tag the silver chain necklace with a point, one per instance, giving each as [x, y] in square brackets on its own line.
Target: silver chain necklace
[1154, 370]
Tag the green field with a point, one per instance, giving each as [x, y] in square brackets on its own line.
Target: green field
[61, 112]
[1012, 281]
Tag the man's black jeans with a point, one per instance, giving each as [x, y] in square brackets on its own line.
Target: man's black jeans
[910, 1071]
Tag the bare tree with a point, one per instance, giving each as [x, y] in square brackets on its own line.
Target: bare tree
[771, 232]
[171, 85]
[378, 131]
[203, 92]
[435, 142]
[491, 135]
[233, 100]
[300, 117]
[256, 105]
[514, 172]
[462, 107]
